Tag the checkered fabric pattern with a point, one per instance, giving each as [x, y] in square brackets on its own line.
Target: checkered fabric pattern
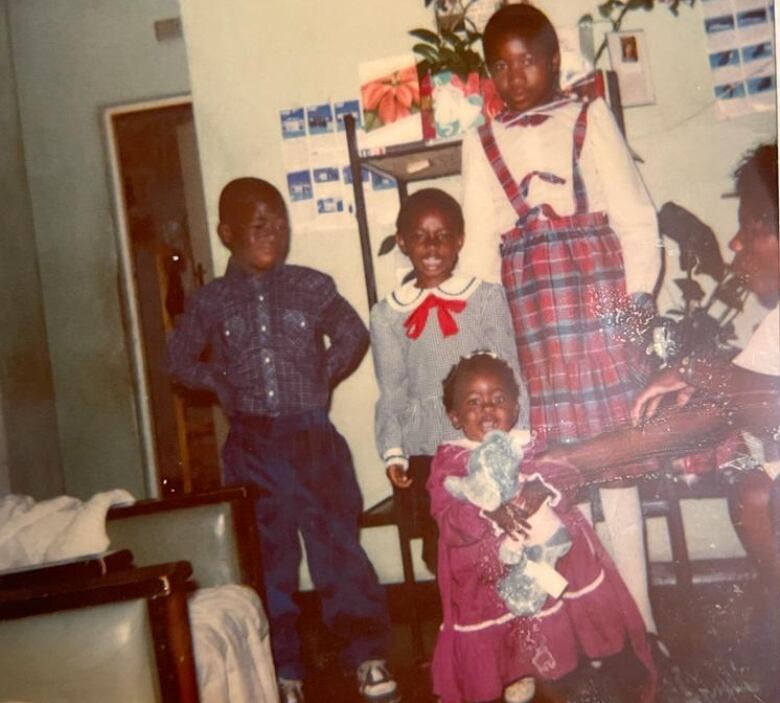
[564, 276]
[265, 340]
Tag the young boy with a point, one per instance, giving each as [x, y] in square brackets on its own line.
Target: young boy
[552, 181]
[263, 326]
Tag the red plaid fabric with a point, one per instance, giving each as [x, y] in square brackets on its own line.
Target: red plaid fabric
[562, 275]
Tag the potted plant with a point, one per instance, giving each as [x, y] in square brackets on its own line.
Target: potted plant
[453, 78]
[693, 325]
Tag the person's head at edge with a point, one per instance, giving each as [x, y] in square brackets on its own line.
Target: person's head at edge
[755, 245]
[253, 224]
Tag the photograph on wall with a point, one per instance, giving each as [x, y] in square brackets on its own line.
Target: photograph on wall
[293, 123]
[630, 60]
[319, 119]
[390, 100]
[347, 107]
[740, 38]
[313, 148]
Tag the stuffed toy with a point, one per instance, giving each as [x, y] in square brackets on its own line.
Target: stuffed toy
[493, 478]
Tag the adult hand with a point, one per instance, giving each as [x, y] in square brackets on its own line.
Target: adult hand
[661, 386]
[399, 476]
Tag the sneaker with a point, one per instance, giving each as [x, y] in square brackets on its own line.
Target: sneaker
[290, 691]
[375, 683]
[521, 691]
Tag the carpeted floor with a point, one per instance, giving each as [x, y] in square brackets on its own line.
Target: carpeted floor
[723, 640]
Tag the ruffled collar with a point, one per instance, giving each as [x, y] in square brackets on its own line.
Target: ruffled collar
[507, 117]
[408, 296]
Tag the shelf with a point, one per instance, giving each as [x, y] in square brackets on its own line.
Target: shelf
[418, 161]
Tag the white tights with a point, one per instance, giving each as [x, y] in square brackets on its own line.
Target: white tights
[625, 527]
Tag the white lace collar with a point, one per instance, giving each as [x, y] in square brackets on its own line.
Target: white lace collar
[408, 296]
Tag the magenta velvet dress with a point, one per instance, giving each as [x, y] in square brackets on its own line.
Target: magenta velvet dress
[482, 647]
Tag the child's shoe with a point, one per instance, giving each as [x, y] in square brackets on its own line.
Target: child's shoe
[521, 691]
[290, 691]
[375, 683]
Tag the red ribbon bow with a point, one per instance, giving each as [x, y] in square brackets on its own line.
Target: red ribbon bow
[415, 323]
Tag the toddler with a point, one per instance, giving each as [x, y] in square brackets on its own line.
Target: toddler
[484, 649]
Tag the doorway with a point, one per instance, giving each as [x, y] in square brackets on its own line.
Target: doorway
[165, 255]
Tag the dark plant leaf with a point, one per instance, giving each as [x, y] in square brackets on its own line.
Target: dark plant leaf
[426, 51]
[408, 277]
[387, 245]
[424, 67]
[704, 328]
[691, 290]
[731, 293]
[426, 35]
[451, 38]
[697, 242]
[371, 120]
[727, 333]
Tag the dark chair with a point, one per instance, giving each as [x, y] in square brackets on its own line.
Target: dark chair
[122, 637]
[406, 515]
[120, 620]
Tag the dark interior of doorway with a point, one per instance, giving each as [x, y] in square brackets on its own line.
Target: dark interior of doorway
[149, 145]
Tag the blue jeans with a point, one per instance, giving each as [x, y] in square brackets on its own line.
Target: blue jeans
[305, 467]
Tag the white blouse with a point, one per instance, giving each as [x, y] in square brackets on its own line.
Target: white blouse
[611, 179]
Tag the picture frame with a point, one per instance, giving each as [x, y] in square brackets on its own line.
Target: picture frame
[629, 57]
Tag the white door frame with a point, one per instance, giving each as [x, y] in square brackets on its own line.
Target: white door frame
[138, 363]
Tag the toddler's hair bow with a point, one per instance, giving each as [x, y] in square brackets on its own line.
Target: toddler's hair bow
[415, 323]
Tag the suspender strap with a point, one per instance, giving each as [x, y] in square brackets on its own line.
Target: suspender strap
[508, 183]
[580, 194]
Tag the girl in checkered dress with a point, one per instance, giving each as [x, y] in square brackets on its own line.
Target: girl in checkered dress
[557, 211]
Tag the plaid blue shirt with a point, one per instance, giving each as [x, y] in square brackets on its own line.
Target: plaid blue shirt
[265, 340]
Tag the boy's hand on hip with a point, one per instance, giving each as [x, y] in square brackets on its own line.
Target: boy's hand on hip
[399, 476]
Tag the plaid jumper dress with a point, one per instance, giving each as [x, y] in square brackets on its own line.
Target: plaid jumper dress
[565, 282]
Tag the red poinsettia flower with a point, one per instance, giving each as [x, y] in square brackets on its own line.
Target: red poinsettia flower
[394, 96]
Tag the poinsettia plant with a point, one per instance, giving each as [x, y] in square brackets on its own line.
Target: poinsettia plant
[390, 97]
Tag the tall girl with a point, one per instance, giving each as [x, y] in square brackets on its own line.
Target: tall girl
[556, 210]
[484, 649]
